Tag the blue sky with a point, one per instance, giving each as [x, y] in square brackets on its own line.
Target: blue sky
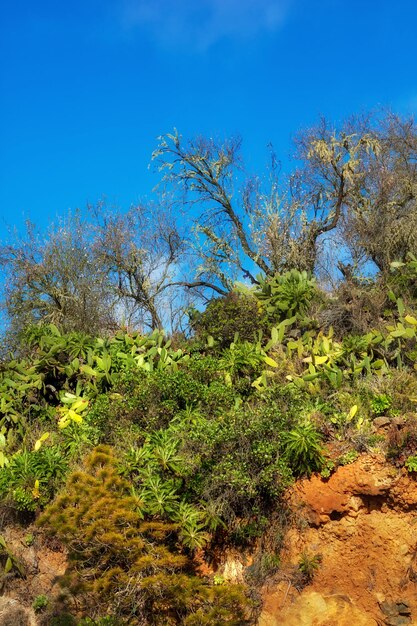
[88, 85]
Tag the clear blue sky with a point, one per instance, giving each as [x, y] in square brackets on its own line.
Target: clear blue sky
[88, 85]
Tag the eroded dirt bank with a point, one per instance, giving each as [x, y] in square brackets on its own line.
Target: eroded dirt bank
[362, 523]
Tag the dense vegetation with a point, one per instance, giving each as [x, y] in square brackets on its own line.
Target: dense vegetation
[143, 451]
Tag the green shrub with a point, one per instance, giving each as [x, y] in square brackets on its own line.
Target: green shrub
[31, 478]
[226, 316]
[380, 404]
[203, 368]
[303, 450]
[348, 457]
[152, 400]
[308, 565]
[411, 463]
[154, 470]
[242, 359]
[235, 463]
[40, 602]
[127, 565]
[285, 295]
[403, 279]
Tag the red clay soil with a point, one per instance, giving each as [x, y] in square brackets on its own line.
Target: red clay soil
[362, 522]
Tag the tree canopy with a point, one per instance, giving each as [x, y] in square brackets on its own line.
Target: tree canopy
[348, 203]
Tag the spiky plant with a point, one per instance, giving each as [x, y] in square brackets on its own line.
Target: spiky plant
[303, 449]
[123, 564]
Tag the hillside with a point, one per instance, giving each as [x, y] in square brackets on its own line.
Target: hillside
[259, 471]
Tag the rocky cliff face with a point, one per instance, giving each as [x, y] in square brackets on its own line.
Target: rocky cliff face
[361, 523]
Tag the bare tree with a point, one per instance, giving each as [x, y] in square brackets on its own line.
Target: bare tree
[381, 222]
[241, 230]
[355, 187]
[143, 253]
[54, 278]
[321, 190]
[204, 171]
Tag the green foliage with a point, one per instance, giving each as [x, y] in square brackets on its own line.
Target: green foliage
[153, 469]
[236, 462]
[241, 359]
[206, 439]
[65, 372]
[302, 447]
[403, 278]
[380, 404]
[152, 400]
[411, 463]
[348, 457]
[129, 563]
[287, 295]
[308, 565]
[29, 539]
[206, 470]
[355, 345]
[327, 468]
[226, 316]
[31, 478]
[78, 438]
[40, 603]
[160, 496]
[8, 560]
[193, 526]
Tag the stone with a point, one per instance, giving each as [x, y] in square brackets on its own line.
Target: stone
[12, 613]
[403, 608]
[380, 422]
[314, 609]
[398, 620]
[233, 570]
[397, 613]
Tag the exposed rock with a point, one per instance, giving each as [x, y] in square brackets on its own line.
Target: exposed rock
[403, 496]
[403, 608]
[381, 422]
[363, 484]
[43, 564]
[12, 613]
[399, 421]
[314, 609]
[233, 570]
[362, 521]
[396, 613]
